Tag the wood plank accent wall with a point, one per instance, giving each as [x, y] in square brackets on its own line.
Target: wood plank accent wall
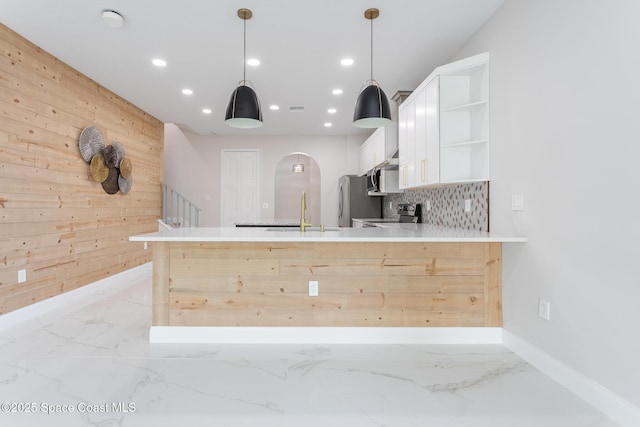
[360, 284]
[55, 222]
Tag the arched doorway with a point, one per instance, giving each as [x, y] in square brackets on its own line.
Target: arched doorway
[295, 173]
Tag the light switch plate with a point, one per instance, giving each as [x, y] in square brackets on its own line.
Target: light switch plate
[544, 309]
[22, 276]
[517, 202]
[467, 205]
[428, 205]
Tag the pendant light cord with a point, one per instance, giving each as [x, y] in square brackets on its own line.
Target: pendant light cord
[371, 49]
[244, 54]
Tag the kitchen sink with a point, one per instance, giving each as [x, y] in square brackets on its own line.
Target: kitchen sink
[297, 229]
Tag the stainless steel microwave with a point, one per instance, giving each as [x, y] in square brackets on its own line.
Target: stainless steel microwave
[373, 180]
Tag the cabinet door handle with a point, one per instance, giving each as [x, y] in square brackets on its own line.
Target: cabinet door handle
[423, 170]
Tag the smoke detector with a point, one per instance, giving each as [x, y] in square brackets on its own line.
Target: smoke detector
[112, 18]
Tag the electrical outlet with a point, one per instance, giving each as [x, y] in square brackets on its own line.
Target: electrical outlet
[517, 202]
[22, 276]
[391, 205]
[467, 205]
[313, 288]
[428, 205]
[544, 309]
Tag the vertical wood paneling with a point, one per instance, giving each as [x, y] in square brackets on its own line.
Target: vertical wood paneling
[161, 265]
[493, 286]
[55, 222]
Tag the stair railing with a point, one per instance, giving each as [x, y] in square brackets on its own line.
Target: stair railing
[177, 211]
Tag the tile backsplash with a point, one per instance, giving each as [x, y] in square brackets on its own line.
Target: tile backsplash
[447, 205]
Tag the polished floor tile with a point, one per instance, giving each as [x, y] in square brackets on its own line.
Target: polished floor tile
[88, 363]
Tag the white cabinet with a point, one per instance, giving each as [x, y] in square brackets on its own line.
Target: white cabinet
[380, 146]
[444, 126]
[418, 137]
[366, 157]
[406, 143]
[464, 120]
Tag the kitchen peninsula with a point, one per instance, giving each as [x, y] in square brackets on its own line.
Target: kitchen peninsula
[408, 275]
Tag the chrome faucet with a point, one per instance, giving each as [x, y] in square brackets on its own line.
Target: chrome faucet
[303, 209]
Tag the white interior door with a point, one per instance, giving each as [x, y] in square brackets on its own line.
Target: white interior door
[239, 190]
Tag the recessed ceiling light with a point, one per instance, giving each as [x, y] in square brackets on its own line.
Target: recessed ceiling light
[253, 62]
[337, 92]
[159, 62]
[187, 91]
[274, 107]
[206, 110]
[346, 62]
[331, 111]
[328, 125]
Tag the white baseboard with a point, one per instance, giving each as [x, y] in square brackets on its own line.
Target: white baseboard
[615, 407]
[91, 291]
[323, 335]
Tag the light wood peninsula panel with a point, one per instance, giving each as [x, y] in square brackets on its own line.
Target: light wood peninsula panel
[360, 284]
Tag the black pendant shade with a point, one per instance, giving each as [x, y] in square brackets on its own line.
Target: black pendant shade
[244, 109]
[372, 108]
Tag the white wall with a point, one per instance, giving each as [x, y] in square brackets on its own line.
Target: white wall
[192, 167]
[565, 133]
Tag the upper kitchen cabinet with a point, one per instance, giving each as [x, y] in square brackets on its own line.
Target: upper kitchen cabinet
[378, 148]
[464, 120]
[419, 136]
[444, 126]
[406, 143]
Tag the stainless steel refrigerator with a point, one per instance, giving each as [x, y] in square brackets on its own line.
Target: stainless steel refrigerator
[353, 201]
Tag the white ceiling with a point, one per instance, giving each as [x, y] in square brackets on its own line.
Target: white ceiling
[299, 43]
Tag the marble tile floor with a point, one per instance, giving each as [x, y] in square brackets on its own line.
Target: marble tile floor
[86, 360]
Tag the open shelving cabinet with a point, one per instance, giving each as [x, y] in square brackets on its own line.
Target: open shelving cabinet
[464, 120]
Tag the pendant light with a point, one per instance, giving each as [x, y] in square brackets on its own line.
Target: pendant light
[372, 107]
[298, 167]
[244, 109]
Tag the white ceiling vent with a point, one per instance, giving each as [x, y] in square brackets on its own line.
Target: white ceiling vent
[296, 109]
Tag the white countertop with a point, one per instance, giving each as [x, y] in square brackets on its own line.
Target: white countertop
[395, 232]
[375, 220]
[268, 223]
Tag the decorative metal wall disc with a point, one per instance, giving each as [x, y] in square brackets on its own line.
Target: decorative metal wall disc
[119, 152]
[110, 156]
[125, 168]
[91, 142]
[99, 171]
[125, 183]
[110, 184]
